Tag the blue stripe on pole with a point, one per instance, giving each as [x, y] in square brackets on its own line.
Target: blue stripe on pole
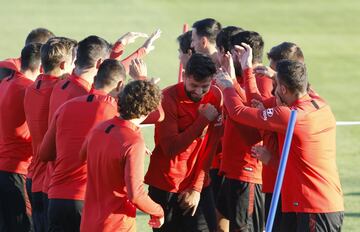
[281, 171]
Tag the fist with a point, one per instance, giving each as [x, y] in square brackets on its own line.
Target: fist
[209, 111]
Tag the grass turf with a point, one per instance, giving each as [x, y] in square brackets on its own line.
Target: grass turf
[327, 31]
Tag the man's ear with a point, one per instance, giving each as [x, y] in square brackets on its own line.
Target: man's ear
[204, 41]
[62, 65]
[98, 63]
[189, 52]
[120, 85]
[283, 89]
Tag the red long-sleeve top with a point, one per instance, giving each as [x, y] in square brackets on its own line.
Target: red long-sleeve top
[311, 183]
[118, 50]
[184, 148]
[115, 185]
[63, 140]
[237, 161]
[64, 90]
[36, 106]
[15, 141]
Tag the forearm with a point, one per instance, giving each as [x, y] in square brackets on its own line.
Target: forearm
[155, 116]
[143, 202]
[175, 143]
[251, 88]
[206, 156]
[139, 53]
[117, 51]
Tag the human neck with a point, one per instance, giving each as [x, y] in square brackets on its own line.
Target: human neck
[294, 97]
[29, 74]
[55, 72]
[88, 74]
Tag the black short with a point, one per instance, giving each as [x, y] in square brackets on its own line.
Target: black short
[278, 214]
[312, 222]
[64, 215]
[242, 203]
[39, 213]
[28, 184]
[216, 182]
[204, 219]
[15, 210]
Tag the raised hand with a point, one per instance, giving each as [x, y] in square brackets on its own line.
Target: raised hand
[137, 69]
[227, 64]
[265, 70]
[244, 55]
[148, 45]
[223, 80]
[130, 37]
[209, 111]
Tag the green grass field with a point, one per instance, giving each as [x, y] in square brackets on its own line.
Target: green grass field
[327, 31]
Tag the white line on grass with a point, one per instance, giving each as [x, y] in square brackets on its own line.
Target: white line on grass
[339, 123]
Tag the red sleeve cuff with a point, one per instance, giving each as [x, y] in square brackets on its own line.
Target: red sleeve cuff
[117, 50]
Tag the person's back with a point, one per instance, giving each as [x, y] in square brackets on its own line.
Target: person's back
[115, 167]
[311, 191]
[63, 140]
[106, 189]
[90, 53]
[66, 89]
[15, 140]
[74, 119]
[15, 143]
[313, 167]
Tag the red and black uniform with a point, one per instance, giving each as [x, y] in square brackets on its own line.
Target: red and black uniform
[311, 184]
[64, 90]
[240, 199]
[36, 107]
[63, 140]
[15, 154]
[185, 143]
[115, 179]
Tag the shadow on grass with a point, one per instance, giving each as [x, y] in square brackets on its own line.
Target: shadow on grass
[352, 194]
[352, 214]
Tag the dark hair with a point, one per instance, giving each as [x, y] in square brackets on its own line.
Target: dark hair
[30, 57]
[286, 51]
[223, 38]
[254, 40]
[200, 67]
[90, 50]
[110, 72]
[207, 27]
[138, 98]
[293, 75]
[185, 42]
[56, 50]
[39, 35]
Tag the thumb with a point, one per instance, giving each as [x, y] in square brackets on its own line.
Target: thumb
[194, 209]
